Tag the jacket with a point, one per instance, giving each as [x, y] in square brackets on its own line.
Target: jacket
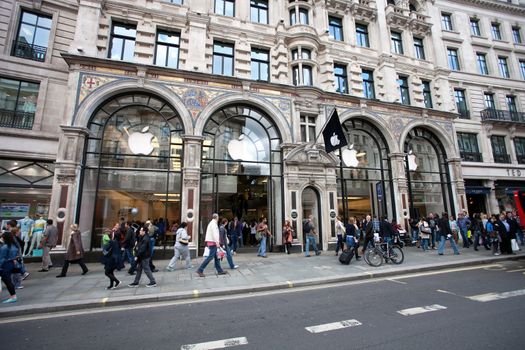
[385, 229]
[50, 236]
[212, 233]
[444, 226]
[75, 245]
[112, 259]
[129, 239]
[143, 248]
[7, 255]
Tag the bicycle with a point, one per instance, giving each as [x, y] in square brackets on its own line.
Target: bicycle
[388, 252]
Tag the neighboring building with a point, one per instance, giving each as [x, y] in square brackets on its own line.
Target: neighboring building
[178, 109]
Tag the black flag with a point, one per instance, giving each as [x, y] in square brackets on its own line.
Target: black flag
[334, 136]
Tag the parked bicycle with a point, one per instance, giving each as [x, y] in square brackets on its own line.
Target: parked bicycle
[384, 251]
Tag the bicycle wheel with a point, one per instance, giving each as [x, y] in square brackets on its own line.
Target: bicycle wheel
[374, 257]
[396, 255]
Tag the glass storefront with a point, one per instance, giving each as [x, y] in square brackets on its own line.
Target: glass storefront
[241, 167]
[427, 174]
[365, 167]
[132, 164]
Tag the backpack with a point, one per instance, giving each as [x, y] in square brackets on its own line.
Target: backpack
[306, 227]
[258, 235]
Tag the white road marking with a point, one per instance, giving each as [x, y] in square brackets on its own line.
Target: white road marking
[421, 310]
[217, 344]
[396, 281]
[333, 326]
[445, 291]
[518, 270]
[483, 298]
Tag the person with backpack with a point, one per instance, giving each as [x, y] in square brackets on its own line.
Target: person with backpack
[110, 258]
[311, 234]
[352, 237]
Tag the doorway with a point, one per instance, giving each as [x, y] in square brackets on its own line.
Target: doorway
[310, 202]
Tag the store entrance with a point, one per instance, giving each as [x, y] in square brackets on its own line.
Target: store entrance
[476, 203]
[310, 204]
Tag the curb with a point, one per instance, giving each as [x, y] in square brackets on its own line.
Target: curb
[93, 304]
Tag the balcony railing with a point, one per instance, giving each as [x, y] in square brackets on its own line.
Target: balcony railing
[32, 52]
[501, 115]
[463, 112]
[501, 158]
[18, 120]
[471, 157]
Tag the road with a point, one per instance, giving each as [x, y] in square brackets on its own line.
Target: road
[445, 309]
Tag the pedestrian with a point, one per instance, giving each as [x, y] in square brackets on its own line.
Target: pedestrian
[110, 258]
[352, 237]
[48, 242]
[424, 233]
[9, 253]
[311, 234]
[212, 240]
[492, 234]
[129, 244]
[444, 234]
[479, 231]
[181, 249]
[453, 228]
[340, 231]
[223, 240]
[386, 232]
[253, 232]
[432, 222]
[19, 273]
[142, 258]
[414, 230]
[513, 231]
[264, 233]
[74, 253]
[287, 236]
[236, 232]
[464, 225]
[368, 227]
[152, 233]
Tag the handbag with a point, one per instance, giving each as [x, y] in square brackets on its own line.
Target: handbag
[184, 241]
[206, 252]
[514, 245]
[38, 252]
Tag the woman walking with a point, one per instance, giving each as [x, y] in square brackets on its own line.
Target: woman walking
[110, 258]
[340, 230]
[287, 236]
[75, 252]
[424, 233]
[181, 248]
[8, 257]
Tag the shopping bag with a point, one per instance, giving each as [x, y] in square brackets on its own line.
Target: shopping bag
[206, 252]
[514, 245]
[469, 234]
[38, 252]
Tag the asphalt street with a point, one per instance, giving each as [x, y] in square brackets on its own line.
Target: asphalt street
[481, 307]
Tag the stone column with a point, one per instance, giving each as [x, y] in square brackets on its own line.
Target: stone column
[493, 206]
[400, 184]
[197, 24]
[458, 186]
[191, 188]
[85, 39]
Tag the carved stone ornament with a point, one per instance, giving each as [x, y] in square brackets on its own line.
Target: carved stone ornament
[191, 182]
[69, 179]
[311, 154]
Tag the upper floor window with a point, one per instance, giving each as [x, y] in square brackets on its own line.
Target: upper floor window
[259, 11]
[427, 94]
[516, 35]
[519, 146]
[122, 41]
[453, 60]
[499, 149]
[522, 68]
[222, 58]
[396, 42]
[468, 147]
[33, 36]
[474, 27]
[461, 103]
[341, 79]
[503, 67]
[404, 92]
[167, 49]
[446, 21]
[178, 2]
[488, 100]
[482, 63]
[496, 31]
[335, 27]
[362, 35]
[368, 83]
[225, 7]
[307, 124]
[304, 54]
[419, 49]
[511, 103]
[299, 15]
[17, 103]
[260, 64]
[302, 75]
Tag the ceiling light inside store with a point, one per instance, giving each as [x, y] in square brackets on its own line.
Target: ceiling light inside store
[167, 194]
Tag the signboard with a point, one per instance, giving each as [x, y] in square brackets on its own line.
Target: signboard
[13, 210]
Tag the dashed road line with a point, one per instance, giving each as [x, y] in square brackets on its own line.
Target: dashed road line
[421, 310]
[217, 344]
[518, 270]
[396, 281]
[333, 326]
[483, 298]
[446, 292]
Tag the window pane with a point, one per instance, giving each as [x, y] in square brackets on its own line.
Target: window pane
[228, 66]
[217, 65]
[41, 37]
[26, 34]
[27, 97]
[173, 57]
[44, 22]
[8, 93]
[116, 48]
[120, 30]
[129, 50]
[307, 76]
[169, 38]
[160, 58]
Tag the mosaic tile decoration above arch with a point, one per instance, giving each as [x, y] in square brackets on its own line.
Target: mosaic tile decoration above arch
[91, 82]
[196, 99]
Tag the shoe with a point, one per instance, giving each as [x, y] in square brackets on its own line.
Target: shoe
[263, 256]
[496, 254]
[10, 300]
[26, 275]
[235, 267]
[116, 285]
[222, 273]
[131, 273]
[476, 249]
[133, 285]
[58, 276]
[170, 269]
[307, 256]
[434, 248]
[458, 253]
[200, 274]
[19, 287]
[336, 254]
[190, 267]
[318, 253]
[43, 270]
[84, 272]
[151, 284]
[358, 259]
[109, 287]
[440, 253]
[155, 270]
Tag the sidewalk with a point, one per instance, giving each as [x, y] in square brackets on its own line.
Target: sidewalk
[44, 293]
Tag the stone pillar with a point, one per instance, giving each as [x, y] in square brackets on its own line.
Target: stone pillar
[191, 187]
[64, 198]
[493, 206]
[197, 24]
[458, 186]
[400, 184]
[86, 34]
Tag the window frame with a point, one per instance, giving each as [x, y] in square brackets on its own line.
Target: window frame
[446, 21]
[516, 35]
[297, 14]
[453, 59]
[341, 78]
[361, 32]
[256, 4]
[124, 38]
[488, 100]
[396, 42]
[306, 126]
[260, 62]
[495, 29]
[27, 117]
[520, 155]
[35, 27]
[468, 138]
[336, 30]
[475, 29]
[498, 142]
[404, 89]
[521, 64]
[481, 60]
[503, 67]
[368, 84]
[427, 94]
[168, 46]
[223, 56]
[460, 99]
[419, 48]
[225, 9]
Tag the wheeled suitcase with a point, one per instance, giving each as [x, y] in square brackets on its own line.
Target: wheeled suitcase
[346, 256]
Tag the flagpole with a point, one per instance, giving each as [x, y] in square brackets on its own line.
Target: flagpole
[328, 115]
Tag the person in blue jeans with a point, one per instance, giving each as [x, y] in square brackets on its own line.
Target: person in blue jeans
[445, 233]
[224, 244]
[265, 233]
[212, 240]
[310, 233]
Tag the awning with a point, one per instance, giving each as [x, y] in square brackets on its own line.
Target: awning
[477, 190]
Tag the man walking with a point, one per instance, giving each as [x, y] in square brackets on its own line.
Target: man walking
[445, 233]
[311, 233]
[142, 259]
[463, 225]
[129, 243]
[212, 240]
[368, 227]
[49, 241]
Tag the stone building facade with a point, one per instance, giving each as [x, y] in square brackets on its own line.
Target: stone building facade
[152, 109]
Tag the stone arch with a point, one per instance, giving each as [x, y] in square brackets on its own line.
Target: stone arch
[273, 113]
[86, 109]
[447, 142]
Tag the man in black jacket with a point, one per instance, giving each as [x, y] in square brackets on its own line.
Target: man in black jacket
[444, 234]
[142, 256]
[385, 230]
[129, 243]
[368, 227]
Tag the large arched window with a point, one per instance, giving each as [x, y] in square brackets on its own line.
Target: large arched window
[427, 173]
[364, 179]
[241, 166]
[132, 164]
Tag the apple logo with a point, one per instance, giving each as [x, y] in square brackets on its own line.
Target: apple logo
[242, 149]
[350, 157]
[140, 142]
[412, 165]
[334, 140]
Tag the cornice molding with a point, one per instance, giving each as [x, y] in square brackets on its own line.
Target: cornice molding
[495, 5]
